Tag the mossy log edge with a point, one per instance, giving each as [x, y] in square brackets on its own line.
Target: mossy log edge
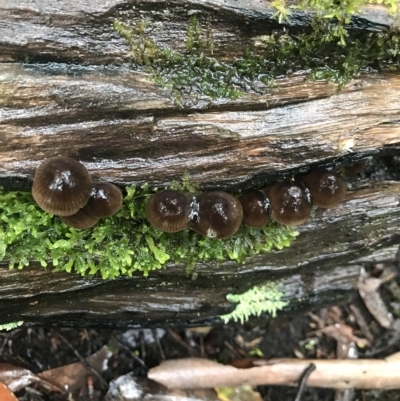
[364, 228]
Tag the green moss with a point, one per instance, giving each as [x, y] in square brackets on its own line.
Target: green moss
[323, 57]
[121, 245]
[194, 41]
[337, 12]
[320, 51]
[143, 50]
[265, 298]
[11, 326]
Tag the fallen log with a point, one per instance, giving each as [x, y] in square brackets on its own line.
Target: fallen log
[322, 264]
[72, 83]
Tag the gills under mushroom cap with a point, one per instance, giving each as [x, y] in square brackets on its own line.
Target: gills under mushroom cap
[327, 188]
[61, 186]
[290, 204]
[219, 216]
[81, 220]
[255, 208]
[169, 210]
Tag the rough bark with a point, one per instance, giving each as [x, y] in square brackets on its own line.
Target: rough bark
[67, 88]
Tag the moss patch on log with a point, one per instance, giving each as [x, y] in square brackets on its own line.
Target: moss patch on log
[325, 51]
[120, 245]
[338, 11]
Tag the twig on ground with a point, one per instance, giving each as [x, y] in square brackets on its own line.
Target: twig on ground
[179, 340]
[392, 341]
[341, 374]
[303, 380]
[133, 355]
[82, 360]
[368, 289]
[237, 353]
[362, 324]
[142, 345]
[158, 342]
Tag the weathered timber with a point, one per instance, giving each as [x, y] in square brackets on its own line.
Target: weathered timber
[125, 128]
[81, 31]
[67, 86]
[320, 266]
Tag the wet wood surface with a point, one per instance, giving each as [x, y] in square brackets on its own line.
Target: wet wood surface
[67, 87]
[322, 265]
[82, 118]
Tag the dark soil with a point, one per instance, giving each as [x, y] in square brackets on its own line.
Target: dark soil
[136, 351]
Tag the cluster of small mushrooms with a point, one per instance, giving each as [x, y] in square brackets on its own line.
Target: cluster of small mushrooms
[63, 187]
[219, 214]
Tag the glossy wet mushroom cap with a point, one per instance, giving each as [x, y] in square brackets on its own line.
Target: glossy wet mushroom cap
[290, 203]
[327, 188]
[81, 220]
[255, 208]
[219, 215]
[105, 200]
[169, 210]
[61, 186]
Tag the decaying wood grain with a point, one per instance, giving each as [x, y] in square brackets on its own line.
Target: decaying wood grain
[67, 87]
[321, 265]
[118, 127]
[81, 31]
[127, 129]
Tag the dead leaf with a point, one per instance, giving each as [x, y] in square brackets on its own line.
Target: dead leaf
[344, 334]
[203, 330]
[128, 388]
[367, 288]
[317, 320]
[362, 324]
[6, 394]
[15, 377]
[72, 377]
[243, 363]
[174, 373]
[247, 344]
[242, 393]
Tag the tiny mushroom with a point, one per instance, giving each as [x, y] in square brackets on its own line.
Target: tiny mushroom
[105, 200]
[81, 220]
[219, 216]
[327, 188]
[169, 210]
[61, 186]
[255, 208]
[290, 203]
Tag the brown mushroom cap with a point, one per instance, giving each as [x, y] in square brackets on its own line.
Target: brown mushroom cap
[80, 220]
[255, 208]
[105, 200]
[169, 210]
[290, 204]
[327, 188]
[61, 186]
[219, 215]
